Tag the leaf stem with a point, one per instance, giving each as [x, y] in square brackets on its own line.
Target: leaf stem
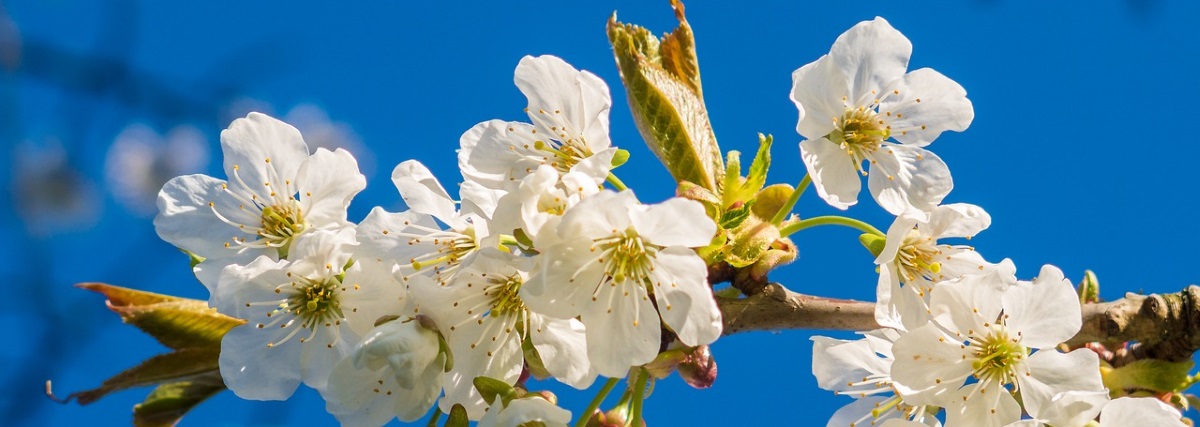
[616, 182]
[596, 401]
[639, 391]
[830, 220]
[437, 415]
[791, 201]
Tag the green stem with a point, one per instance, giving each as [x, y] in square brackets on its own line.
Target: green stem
[791, 201]
[437, 414]
[639, 391]
[596, 401]
[830, 220]
[616, 182]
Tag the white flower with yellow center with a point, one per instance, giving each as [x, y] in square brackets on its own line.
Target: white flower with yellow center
[276, 192]
[486, 322]
[396, 371]
[413, 238]
[862, 369]
[540, 201]
[854, 101]
[912, 256]
[608, 257]
[302, 315]
[568, 109]
[987, 335]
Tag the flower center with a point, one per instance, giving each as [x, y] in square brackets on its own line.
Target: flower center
[504, 292]
[565, 145]
[915, 258]
[280, 223]
[997, 355]
[626, 256]
[860, 132]
[315, 302]
[450, 247]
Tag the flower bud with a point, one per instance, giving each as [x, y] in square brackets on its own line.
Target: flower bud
[699, 369]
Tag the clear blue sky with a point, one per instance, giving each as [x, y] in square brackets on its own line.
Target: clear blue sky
[1080, 151]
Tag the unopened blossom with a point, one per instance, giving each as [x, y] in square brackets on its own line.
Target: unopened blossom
[913, 257]
[997, 334]
[486, 322]
[608, 257]
[302, 315]
[568, 109]
[395, 371]
[858, 105]
[275, 192]
[414, 238]
[862, 369]
[526, 411]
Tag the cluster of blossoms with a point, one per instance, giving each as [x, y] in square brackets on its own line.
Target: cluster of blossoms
[534, 268]
[959, 334]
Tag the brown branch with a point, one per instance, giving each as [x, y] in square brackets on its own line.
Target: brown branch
[1164, 326]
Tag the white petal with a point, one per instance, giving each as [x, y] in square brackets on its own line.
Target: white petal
[476, 354]
[833, 172]
[327, 250]
[871, 55]
[1050, 373]
[837, 363]
[423, 193]
[1046, 312]
[1145, 411]
[929, 366]
[596, 166]
[186, 221]
[896, 235]
[370, 292]
[562, 346]
[684, 297]
[255, 372]
[526, 411]
[597, 216]
[551, 84]
[566, 282]
[674, 222]
[1074, 408]
[253, 282]
[622, 329]
[967, 303]
[993, 408]
[906, 179]
[817, 90]
[860, 411]
[327, 182]
[351, 395]
[898, 307]
[958, 220]
[263, 149]
[943, 106]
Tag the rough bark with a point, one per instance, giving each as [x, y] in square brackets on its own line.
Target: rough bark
[1163, 326]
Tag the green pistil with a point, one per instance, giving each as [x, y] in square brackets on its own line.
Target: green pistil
[997, 356]
[504, 292]
[628, 256]
[316, 302]
[280, 223]
[860, 132]
[915, 258]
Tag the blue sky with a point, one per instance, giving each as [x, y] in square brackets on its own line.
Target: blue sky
[1080, 150]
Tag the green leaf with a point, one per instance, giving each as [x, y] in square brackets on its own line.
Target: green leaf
[175, 322]
[167, 404]
[155, 370]
[734, 217]
[458, 417]
[489, 388]
[756, 177]
[1089, 288]
[1154, 375]
[662, 80]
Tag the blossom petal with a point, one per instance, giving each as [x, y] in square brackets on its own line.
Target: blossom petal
[929, 103]
[958, 220]
[906, 179]
[1145, 411]
[423, 193]
[837, 363]
[554, 87]
[496, 153]
[896, 235]
[382, 234]
[185, 219]
[819, 91]
[994, 407]
[351, 395]
[326, 183]
[929, 365]
[967, 303]
[674, 222]
[833, 172]
[1049, 373]
[567, 280]
[871, 55]
[255, 372]
[1045, 312]
[526, 411]
[684, 297]
[489, 349]
[622, 329]
[562, 346]
[1074, 408]
[260, 149]
[860, 410]
[370, 292]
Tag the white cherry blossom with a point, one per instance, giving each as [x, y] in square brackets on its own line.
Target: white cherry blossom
[302, 315]
[854, 101]
[997, 334]
[485, 323]
[394, 372]
[912, 256]
[862, 369]
[568, 109]
[526, 411]
[276, 192]
[610, 255]
[540, 201]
